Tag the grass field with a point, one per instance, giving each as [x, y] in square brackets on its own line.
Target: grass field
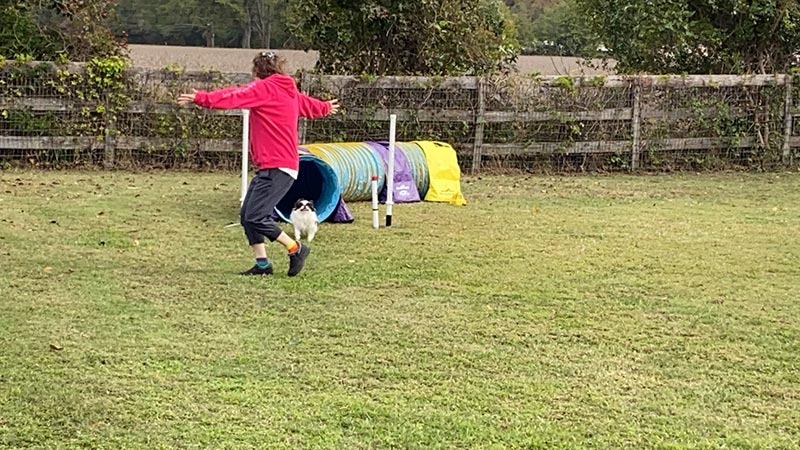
[593, 312]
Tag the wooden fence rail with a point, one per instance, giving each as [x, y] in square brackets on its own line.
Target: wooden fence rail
[635, 116]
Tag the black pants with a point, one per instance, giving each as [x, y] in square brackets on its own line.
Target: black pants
[266, 189]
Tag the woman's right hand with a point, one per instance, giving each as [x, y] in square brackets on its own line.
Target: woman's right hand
[334, 106]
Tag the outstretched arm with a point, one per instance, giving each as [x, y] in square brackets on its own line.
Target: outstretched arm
[314, 108]
[242, 97]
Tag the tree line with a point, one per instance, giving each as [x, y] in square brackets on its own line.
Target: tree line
[432, 37]
[211, 23]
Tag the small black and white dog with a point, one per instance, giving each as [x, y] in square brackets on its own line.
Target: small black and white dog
[304, 219]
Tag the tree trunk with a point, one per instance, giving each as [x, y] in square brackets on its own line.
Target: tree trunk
[268, 19]
[248, 23]
[209, 35]
[248, 33]
[259, 19]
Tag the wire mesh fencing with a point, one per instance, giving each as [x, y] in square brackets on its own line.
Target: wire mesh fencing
[598, 123]
[58, 116]
[440, 109]
[96, 115]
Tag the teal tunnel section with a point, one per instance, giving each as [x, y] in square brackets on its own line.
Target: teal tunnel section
[317, 181]
[355, 163]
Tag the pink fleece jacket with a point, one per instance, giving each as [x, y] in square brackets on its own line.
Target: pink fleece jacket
[275, 106]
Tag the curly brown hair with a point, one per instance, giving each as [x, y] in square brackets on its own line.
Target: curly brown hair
[268, 63]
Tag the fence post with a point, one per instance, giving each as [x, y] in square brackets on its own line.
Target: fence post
[109, 139]
[636, 123]
[304, 89]
[480, 120]
[787, 121]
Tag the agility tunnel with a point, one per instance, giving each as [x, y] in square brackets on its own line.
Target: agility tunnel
[316, 180]
[332, 174]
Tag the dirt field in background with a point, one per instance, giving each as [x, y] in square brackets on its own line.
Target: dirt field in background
[560, 65]
[239, 60]
[204, 58]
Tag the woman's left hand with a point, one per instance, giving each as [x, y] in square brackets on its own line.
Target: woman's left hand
[185, 99]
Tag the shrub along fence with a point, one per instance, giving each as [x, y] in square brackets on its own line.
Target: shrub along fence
[103, 113]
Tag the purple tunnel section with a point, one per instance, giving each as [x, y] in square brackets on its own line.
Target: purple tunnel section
[405, 188]
[341, 214]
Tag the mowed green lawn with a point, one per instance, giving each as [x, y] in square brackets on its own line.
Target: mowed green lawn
[591, 312]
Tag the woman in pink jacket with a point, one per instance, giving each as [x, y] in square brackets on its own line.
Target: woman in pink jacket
[275, 106]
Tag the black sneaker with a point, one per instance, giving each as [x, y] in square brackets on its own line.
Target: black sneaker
[297, 259]
[255, 270]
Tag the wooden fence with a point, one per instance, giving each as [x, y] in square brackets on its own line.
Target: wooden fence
[617, 122]
[632, 119]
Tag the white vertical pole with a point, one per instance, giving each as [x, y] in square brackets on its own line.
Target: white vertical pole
[390, 172]
[245, 150]
[375, 215]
